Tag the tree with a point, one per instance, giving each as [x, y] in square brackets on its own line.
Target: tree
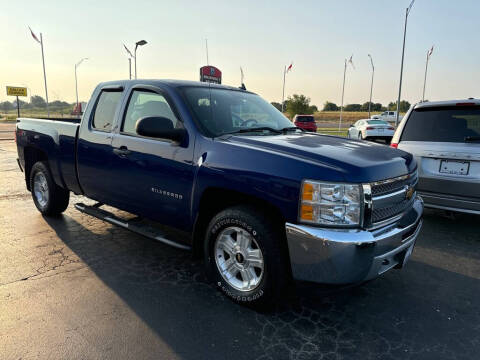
[374, 107]
[313, 108]
[6, 106]
[404, 106]
[329, 106]
[38, 101]
[353, 107]
[298, 104]
[277, 105]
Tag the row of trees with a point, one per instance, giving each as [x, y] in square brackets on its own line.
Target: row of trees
[300, 104]
[36, 102]
[404, 106]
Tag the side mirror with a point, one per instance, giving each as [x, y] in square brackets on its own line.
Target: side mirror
[159, 127]
[352, 125]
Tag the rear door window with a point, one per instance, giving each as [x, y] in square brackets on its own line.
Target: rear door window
[443, 124]
[105, 109]
[305, 118]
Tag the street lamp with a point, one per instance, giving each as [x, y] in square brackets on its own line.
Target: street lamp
[407, 11]
[76, 84]
[137, 44]
[371, 86]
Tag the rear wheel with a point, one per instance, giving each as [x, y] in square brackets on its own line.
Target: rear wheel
[245, 257]
[49, 198]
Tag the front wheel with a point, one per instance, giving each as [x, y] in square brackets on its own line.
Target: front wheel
[49, 198]
[245, 256]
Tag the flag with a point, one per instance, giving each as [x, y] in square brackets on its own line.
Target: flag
[430, 52]
[289, 67]
[410, 6]
[351, 61]
[34, 36]
[128, 51]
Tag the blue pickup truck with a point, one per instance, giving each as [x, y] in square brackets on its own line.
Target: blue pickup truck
[262, 201]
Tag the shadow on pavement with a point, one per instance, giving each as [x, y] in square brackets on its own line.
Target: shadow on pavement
[423, 311]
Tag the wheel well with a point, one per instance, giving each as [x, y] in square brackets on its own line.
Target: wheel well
[214, 200]
[31, 156]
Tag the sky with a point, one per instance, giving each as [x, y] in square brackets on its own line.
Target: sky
[260, 36]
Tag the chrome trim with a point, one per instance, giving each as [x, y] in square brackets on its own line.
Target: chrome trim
[381, 197]
[341, 256]
[398, 178]
[367, 205]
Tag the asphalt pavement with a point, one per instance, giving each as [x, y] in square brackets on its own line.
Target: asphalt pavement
[74, 287]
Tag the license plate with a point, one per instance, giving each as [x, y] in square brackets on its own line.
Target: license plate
[454, 167]
[380, 130]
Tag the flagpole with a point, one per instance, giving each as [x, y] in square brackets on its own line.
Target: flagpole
[343, 91]
[425, 78]
[283, 93]
[371, 87]
[44, 75]
[206, 49]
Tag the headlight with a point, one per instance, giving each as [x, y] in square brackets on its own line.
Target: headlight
[330, 204]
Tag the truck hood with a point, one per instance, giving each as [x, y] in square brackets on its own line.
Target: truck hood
[358, 161]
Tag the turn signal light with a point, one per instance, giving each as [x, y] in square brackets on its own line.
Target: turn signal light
[394, 145]
[306, 212]
[370, 128]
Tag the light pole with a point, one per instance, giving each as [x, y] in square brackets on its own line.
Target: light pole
[76, 83]
[343, 88]
[137, 44]
[407, 11]
[371, 86]
[429, 53]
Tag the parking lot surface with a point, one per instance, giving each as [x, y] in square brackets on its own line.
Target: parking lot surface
[74, 287]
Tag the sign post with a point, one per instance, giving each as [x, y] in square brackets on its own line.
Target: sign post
[17, 91]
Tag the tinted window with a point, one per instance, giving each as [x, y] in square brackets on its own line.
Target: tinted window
[145, 103]
[445, 124]
[377, 122]
[221, 111]
[303, 118]
[391, 113]
[105, 110]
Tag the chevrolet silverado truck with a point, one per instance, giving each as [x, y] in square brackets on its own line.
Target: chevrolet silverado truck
[261, 200]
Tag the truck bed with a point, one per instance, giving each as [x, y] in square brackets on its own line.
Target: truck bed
[56, 140]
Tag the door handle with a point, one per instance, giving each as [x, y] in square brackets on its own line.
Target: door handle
[122, 151]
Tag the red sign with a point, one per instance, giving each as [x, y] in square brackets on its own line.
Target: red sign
[210, 74]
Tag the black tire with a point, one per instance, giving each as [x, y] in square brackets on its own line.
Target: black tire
[56, 198]
[270, 238]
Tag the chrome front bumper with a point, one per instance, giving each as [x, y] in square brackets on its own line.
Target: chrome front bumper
[342, 256]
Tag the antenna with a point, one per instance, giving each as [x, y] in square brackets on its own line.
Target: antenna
[206, 48]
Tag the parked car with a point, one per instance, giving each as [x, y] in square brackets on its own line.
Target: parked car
[370, 129]
[305, 122]
[444, 137]
[261, 200]
[389, 116]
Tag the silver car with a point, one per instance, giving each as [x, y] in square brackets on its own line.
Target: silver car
[444, 137]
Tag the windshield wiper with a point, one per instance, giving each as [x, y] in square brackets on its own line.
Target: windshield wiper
[257, 129]
[471, 138]
[286, 129]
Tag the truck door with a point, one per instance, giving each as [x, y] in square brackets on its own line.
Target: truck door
[94, 145]
[153, 176]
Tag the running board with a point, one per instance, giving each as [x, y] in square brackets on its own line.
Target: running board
[134, 226]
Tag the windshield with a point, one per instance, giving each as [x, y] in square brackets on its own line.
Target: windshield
[443, 124]
[304, 118]
[377, 122]
[222, 111]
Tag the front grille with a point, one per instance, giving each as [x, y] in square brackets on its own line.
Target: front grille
[389, 197]
[384, 213]
[392, 185]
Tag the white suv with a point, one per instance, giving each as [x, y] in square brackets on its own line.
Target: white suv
[444, 137]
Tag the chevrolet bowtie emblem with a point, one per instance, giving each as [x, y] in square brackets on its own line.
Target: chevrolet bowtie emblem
[409, 190]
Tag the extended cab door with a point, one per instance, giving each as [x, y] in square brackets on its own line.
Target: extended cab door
[153, 176]
[94, 144]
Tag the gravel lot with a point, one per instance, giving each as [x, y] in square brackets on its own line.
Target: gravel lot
[75, 287]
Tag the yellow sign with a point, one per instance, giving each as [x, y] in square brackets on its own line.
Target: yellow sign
[16, 91]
